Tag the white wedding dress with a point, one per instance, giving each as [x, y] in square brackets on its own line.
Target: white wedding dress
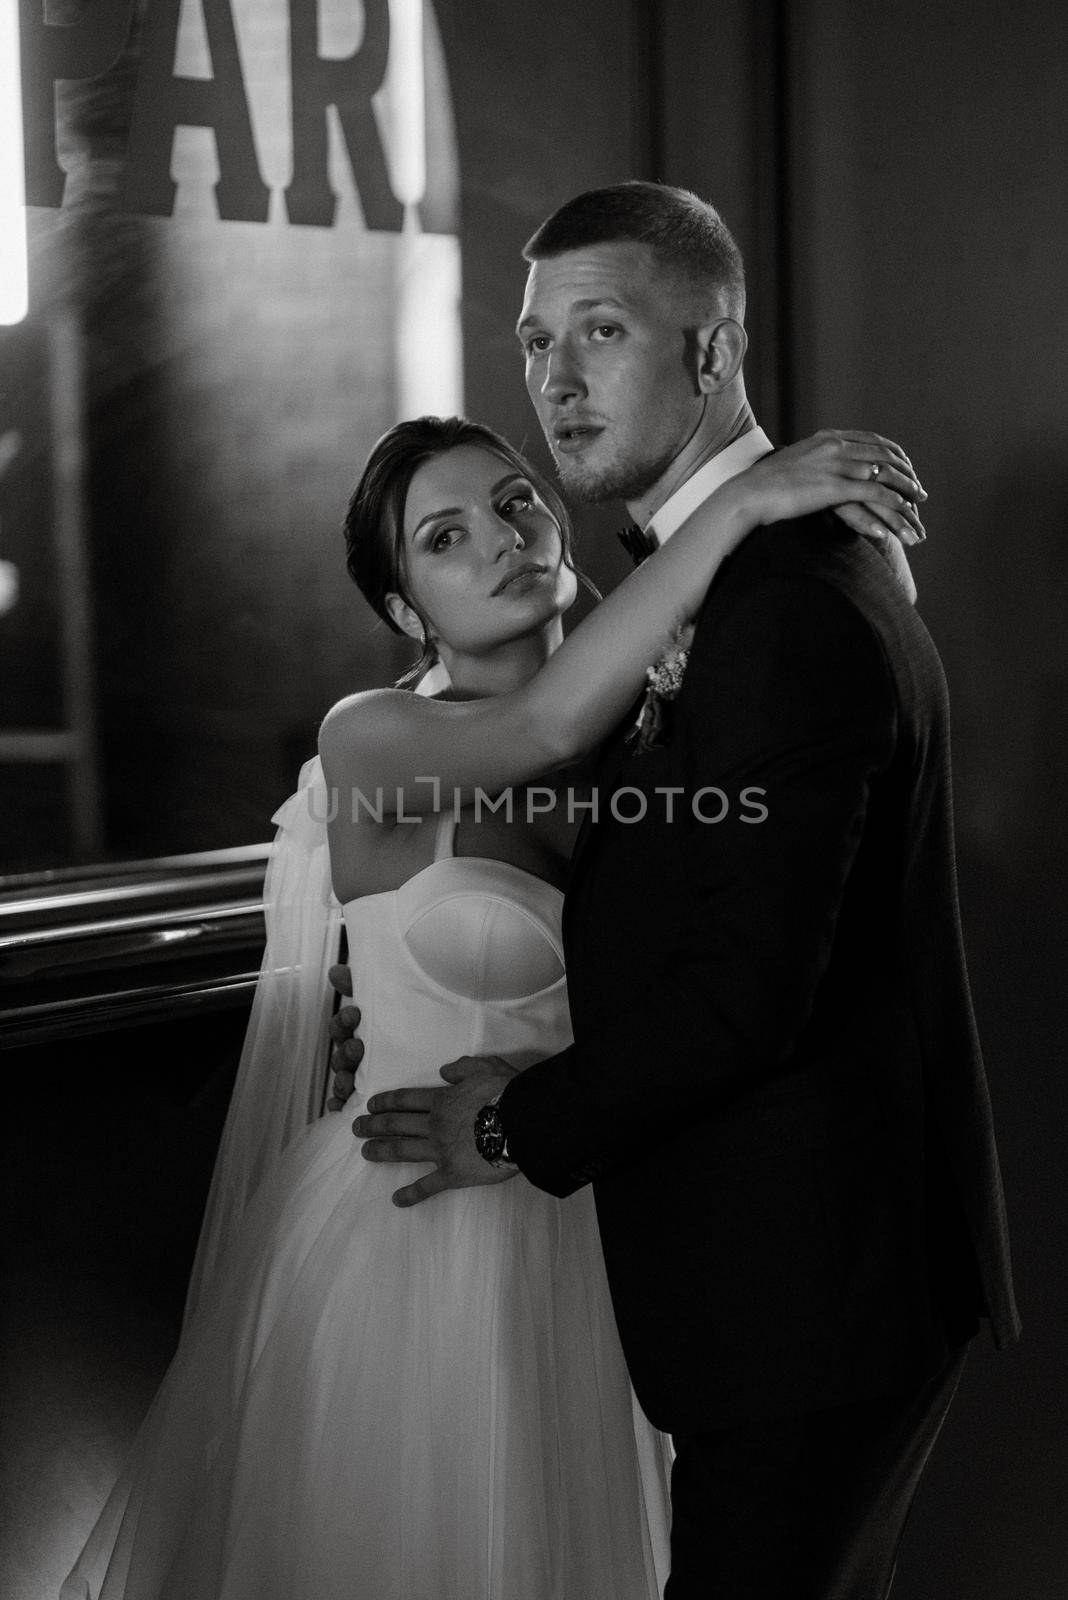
[382, 1404]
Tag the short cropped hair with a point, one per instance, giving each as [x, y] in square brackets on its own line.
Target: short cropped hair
[687, 236]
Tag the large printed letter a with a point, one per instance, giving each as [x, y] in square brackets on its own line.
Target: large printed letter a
[165, 102]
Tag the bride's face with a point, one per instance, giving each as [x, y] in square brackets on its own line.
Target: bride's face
[483, 557]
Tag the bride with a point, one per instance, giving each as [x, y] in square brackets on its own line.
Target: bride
[432, 1405]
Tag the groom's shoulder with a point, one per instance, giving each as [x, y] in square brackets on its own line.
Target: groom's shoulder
[790, 559]
[812, 584]
[806, 547]
[809, 583]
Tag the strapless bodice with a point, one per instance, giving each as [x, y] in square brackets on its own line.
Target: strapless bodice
[463, 959]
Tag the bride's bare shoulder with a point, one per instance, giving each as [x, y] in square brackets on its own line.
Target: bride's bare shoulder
[383, 734]
[364, 716]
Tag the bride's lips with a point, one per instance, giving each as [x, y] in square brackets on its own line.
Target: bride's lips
[529, 569]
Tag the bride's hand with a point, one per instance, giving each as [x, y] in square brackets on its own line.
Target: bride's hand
[868, 479]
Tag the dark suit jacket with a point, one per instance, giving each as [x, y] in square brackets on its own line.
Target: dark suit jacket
[776, 1086]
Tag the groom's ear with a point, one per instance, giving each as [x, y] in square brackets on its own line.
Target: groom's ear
[721, 347]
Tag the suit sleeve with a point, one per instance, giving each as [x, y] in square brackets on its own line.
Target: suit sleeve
[787, 692]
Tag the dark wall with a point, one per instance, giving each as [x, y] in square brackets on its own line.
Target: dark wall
[903, 216]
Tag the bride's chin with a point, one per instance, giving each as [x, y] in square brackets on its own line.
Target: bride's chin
[534, 611]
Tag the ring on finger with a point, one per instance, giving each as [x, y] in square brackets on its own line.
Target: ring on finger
[874, 470]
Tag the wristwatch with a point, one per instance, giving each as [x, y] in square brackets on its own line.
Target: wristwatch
[491, 1141]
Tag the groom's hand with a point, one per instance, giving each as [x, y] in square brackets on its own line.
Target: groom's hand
[347, 1052]
[438, 1125]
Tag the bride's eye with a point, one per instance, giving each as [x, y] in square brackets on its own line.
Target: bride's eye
[441, 540]
[519, 500]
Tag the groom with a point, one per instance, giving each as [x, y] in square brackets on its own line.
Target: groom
[775, 1086]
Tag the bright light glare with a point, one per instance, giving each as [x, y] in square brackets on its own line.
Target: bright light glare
[402, 100]
[429, 351]
[429, 348]
[14, 300]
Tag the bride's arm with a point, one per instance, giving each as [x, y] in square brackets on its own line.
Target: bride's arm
[396, 742]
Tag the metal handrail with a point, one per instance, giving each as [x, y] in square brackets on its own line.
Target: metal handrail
[239, 855]
[50, 895]
[85, 951]
[155, 920]
[121, 1008]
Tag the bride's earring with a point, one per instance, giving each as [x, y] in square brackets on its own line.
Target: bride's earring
[407, 619]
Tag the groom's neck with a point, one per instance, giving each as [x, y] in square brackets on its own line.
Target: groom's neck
[712, 435]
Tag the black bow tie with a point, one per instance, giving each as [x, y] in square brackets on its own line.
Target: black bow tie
[637, 543]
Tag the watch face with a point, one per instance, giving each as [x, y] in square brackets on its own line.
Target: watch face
[489, 1134]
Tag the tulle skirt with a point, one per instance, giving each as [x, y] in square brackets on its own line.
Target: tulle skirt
[384, 1404]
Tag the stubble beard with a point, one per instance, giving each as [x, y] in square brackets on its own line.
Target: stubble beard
[618, 480]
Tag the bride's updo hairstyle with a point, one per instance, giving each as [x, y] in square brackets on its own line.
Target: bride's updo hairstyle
[374, 524]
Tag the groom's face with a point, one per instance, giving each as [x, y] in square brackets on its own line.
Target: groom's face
[609, 367]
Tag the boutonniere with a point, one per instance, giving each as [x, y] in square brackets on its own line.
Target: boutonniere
[663, 680]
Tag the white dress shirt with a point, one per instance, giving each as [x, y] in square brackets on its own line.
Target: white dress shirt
[689, 495]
